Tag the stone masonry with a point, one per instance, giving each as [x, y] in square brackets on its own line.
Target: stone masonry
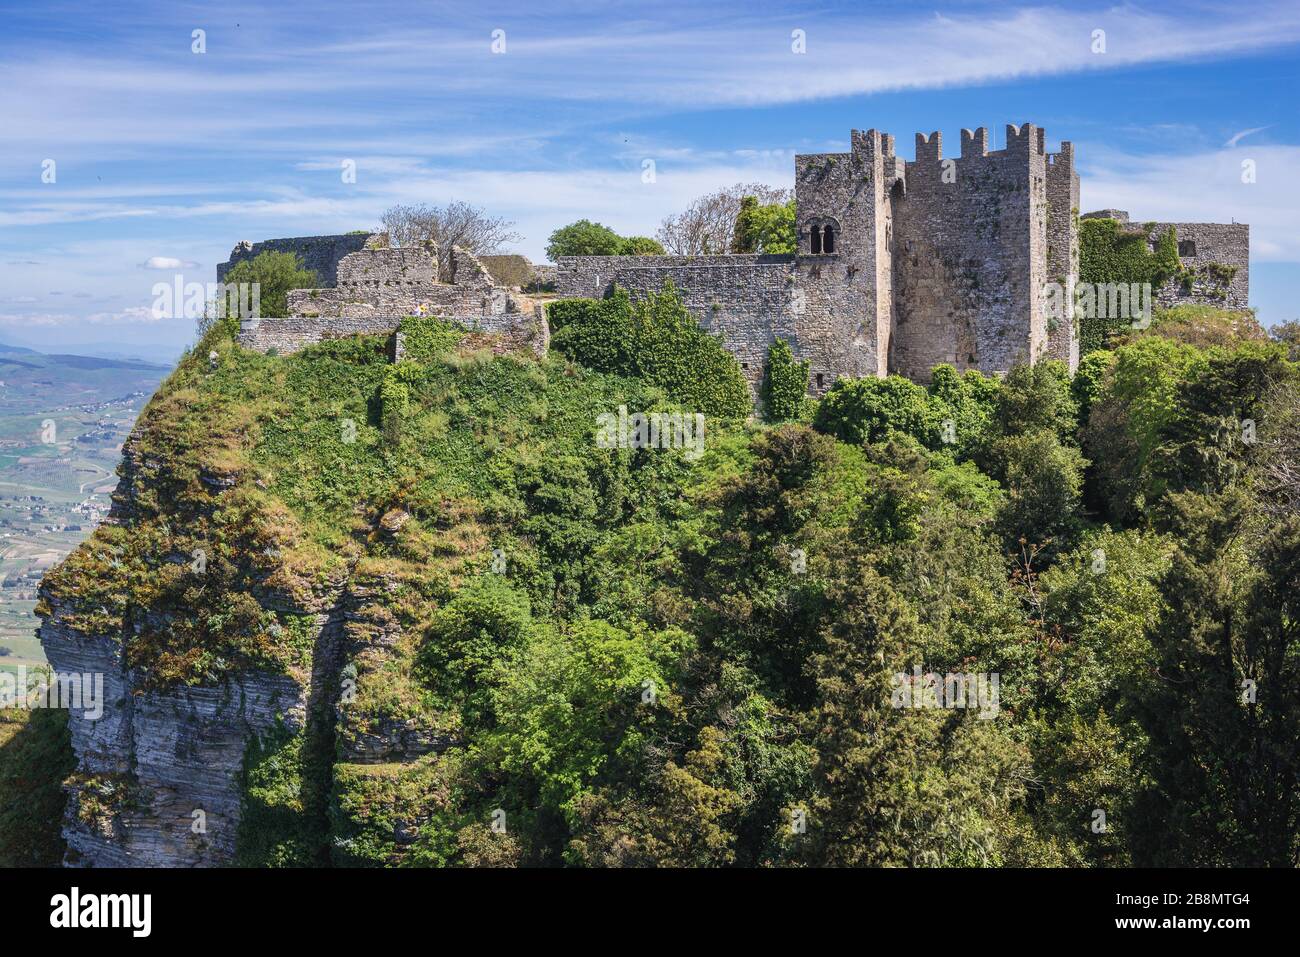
[902, 265]
[375, 286]
[1215, 258]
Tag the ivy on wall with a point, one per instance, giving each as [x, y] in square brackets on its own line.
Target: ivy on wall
[657, 339]
[1109, 253]
[785, 384]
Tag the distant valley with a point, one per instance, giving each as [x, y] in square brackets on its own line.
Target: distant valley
[63, 419]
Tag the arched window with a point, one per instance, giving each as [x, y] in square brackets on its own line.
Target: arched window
[828, 240]
[816, 240]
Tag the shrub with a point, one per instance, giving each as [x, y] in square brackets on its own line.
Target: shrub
[785, 384]
[869, 410]
[425, 338]
[641, 246]
[656, 339]
[276, 274]
[969, 401]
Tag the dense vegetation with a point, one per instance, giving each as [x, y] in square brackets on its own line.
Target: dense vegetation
[34, 759]
[585, 238]
[634, 658]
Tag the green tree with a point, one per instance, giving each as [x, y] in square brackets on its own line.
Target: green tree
[871, 409]
[584, 238]
[868, 809]
[274, 274]
[766, 228]
[641, 246]
[1090, 379]
[572, 710]
[1224, 720]
[35, 757]
[1038, 397]
[1211, 434]
[1044, 481]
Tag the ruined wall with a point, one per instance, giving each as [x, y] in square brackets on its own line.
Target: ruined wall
[747, 300]
[400, 282]
[970, 255]
[1217, 259]
[293, 333]
[377, 288]
[320, 254]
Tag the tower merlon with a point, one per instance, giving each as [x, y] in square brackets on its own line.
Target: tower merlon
[929, 148]
[975, 142]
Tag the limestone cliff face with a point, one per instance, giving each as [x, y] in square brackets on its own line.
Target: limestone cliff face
[155, 758]
[158, 773]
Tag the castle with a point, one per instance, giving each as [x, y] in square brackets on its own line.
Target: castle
[901, 265]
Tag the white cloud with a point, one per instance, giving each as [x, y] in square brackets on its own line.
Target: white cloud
[1202, 187]
[1238, 137]
[167, 262]
[309, 89]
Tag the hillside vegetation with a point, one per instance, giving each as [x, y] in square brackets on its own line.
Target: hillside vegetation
[629, 656]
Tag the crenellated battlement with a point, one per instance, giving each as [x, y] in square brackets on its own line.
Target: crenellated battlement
[929, 147]
[900, 265]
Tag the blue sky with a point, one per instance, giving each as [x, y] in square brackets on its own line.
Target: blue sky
[165, 158]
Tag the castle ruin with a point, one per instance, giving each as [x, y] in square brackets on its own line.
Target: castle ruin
[901, 265]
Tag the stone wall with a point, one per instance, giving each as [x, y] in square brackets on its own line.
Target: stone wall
[401, 282]
[1217, 256]
[846, 302]
[747, 300]
[290, 334]
[378, 287]
[320, 254]
[1063, 251]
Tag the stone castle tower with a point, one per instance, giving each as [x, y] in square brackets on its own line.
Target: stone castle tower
[939, 260]
[900, 265]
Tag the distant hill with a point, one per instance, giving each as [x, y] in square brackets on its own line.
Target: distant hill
[36, 359]
[31, 380]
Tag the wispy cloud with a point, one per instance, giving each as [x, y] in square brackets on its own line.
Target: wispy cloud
[1238, 137]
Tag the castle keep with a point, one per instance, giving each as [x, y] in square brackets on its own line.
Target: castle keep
[901, 265]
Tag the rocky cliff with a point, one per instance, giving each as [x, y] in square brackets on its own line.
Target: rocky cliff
[255, 603]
